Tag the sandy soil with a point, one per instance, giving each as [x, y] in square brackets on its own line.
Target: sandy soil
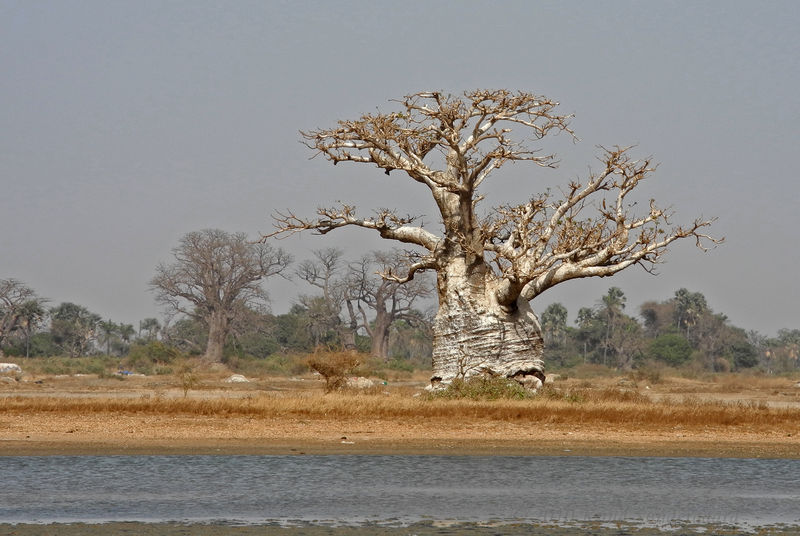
[43, 433]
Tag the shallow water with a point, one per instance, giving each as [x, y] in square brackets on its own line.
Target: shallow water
[398, 490]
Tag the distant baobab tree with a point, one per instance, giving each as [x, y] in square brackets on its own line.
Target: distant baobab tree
[214, 276]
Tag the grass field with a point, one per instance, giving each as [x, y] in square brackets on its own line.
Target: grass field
[722, 414]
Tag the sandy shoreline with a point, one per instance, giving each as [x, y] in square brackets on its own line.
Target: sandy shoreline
[104, 434]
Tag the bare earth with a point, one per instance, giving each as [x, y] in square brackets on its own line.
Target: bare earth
[48, 432]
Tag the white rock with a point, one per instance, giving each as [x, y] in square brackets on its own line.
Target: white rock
[237, 378]
[360, 383]
[531, 382]
[13, 368]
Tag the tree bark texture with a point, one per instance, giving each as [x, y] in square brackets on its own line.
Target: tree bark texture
[217, 333]
[380, 334]
[475, 335]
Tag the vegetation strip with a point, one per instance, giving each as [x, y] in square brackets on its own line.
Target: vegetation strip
[580, 407]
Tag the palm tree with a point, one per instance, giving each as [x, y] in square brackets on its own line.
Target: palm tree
[107, 331]
[31, 313]
[689, 307]
[126, 331]
[554, 323]
[611, 305]
[151, 327]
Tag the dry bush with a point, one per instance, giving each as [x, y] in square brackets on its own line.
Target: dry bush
[187, 373]
[650, 371]
[335, 367]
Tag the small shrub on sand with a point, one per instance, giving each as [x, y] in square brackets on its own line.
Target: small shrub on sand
[188, 377]
[335, 367]
[649, 371]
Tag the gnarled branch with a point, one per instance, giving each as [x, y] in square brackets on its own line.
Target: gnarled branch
[388, 224]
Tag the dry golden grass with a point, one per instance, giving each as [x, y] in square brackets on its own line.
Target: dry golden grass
[611, 407]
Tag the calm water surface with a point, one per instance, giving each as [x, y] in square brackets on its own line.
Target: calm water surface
[397, 489]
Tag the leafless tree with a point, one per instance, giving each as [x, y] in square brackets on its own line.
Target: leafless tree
[389, 299]
[350, 294]
[489, 267]
[19, 308]
[214, 275]
[326, 272]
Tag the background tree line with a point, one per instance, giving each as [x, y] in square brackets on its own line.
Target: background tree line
[213, 290]
[683, 331]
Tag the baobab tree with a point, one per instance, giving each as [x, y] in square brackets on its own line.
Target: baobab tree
[389, 299]
[325, 273]
[20, 307]
[490, 265]
[356, 287]
[214, 276]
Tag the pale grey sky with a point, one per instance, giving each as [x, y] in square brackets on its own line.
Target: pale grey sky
[125, 124]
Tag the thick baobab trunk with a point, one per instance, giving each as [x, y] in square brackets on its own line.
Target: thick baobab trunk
[347, 332]
[380, 335]
[474, 335]
[217, 332]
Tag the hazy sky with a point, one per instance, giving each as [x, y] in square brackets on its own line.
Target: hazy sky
[125, 124]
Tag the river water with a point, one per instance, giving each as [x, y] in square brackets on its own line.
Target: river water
[357, 490]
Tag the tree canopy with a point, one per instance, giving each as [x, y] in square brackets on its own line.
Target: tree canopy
[214, 276]
[490, 265]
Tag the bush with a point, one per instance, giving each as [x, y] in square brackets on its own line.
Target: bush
[648, 371]
[187, 374]
[743, 355]
[671, 348]
[334, 367]
[148, 357]
[484, 388]
[102, 366]
[276, 364]
[722, 365]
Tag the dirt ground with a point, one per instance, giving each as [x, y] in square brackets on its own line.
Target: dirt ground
[49, 432]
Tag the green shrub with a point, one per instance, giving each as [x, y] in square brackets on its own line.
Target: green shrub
[147, 357]
[102, 366]
[671, 348]
[483, 388]
[743, 355]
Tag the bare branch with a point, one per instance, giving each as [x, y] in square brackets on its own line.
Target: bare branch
[388, 224]
[453, 144]
[542, 243]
